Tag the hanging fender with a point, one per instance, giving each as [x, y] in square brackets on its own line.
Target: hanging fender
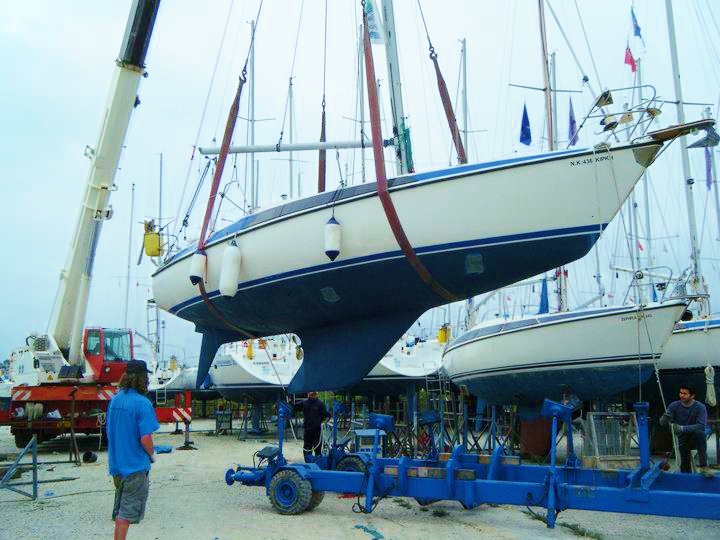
[198, 267]
[230, 270]
[333, 238]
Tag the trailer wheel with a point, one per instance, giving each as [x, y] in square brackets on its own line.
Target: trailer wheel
[23, 437]
[290, 494]
[351, 464]
[315, 500]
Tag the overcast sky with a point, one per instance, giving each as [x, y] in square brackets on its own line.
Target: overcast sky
[58, 60]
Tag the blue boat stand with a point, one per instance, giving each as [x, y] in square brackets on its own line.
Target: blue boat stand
[473, 480]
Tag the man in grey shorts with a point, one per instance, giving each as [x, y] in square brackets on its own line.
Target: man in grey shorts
[130, 424]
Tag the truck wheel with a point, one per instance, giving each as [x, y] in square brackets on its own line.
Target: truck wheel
[22, 437]
[290, 494]
[315, 500]
[351, 464]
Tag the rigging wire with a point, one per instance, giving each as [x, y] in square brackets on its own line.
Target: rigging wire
[202, 120]
[292, 73]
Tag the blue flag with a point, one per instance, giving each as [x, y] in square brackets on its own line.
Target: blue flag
[572, 128]
[544, 300]
[636, 26]
[708, 169]
[525, 135]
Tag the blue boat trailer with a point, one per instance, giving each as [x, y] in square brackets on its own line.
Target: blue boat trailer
[473, 479]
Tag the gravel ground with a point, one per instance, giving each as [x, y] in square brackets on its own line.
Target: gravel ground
[189, 498]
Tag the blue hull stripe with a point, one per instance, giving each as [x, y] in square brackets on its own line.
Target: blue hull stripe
[451, 246]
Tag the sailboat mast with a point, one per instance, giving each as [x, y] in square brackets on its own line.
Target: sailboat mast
[251, 104]
[549, 114]
[130, 235]
[396, 104]
[546, 78]
[463, 55]
[361, 95]
[646, 193]
[697, 281]
[290, 124]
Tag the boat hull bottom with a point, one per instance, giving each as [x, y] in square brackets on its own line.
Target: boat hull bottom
[531, 388]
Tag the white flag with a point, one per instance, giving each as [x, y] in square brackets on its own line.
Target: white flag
[377, 35]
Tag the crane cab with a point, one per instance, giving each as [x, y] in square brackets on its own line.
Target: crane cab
[107, 351]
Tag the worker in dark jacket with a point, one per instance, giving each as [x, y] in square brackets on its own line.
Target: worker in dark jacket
[690, 418]
[314, 414]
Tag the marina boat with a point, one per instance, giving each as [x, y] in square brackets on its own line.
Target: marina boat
[406, 365]
[349, 311]
[693, 346]
[590, 353]
[255, 370]
[260, 370]
[349, 271]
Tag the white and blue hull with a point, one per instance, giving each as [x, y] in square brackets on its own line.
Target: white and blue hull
[474, 227]
[692, 347]
[594, 353]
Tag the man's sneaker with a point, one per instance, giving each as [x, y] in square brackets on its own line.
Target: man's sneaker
[707, 472]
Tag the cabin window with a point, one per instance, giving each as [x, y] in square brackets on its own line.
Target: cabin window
[117, 346]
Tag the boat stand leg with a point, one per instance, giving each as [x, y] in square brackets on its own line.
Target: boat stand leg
[188, 445]
[552, 480]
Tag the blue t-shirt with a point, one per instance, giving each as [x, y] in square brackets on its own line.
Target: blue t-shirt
[129, 418]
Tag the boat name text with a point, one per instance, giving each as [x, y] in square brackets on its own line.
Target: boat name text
[590, 160]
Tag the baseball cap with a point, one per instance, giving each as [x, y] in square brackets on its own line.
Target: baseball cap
[137, 367]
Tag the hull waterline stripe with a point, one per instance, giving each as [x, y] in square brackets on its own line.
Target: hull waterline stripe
[549, 366]
[428, 250]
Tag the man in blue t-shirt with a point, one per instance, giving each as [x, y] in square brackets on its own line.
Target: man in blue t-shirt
[130, 423]
[690, 418]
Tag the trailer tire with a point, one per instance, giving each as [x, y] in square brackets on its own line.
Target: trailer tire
[290, 494]
[315, 500]
[351, 464]
[23, 437]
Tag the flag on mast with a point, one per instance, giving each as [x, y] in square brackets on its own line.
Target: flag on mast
[375, 29]
[636, 26]
[525, 135]
[708, 169]
[572, 128]
[629, 59]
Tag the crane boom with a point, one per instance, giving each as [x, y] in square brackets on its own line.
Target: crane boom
[68, 316]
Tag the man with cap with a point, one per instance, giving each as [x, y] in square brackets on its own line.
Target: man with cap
[130, 424]
[314, 413]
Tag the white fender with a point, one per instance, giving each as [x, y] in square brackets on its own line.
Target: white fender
[197, 267]
[332, 239]
[230, 270]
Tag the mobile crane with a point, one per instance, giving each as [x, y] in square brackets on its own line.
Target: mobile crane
[78, 369]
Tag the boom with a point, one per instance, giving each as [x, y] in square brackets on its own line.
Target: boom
[68, 317]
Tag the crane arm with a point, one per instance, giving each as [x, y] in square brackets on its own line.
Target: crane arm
[68, 316]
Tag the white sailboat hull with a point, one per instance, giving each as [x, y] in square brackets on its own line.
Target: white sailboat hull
[591, 353]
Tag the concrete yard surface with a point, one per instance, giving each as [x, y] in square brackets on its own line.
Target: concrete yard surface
[189, 499]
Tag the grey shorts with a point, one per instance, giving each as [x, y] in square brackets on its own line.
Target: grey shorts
[131, 494]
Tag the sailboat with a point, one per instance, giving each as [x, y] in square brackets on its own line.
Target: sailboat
[692, 354]
[588, 353]
[395, 248]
